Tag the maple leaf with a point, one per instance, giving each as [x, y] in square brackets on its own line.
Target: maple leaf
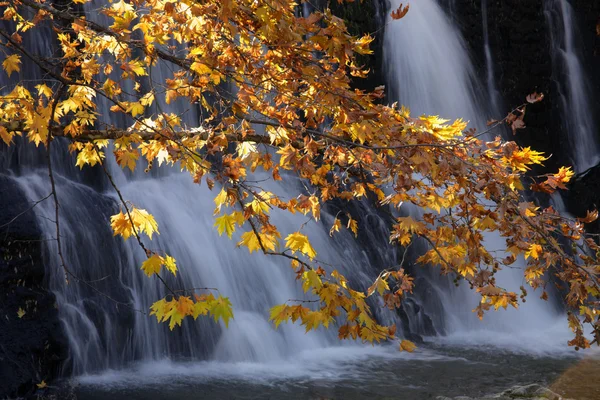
[225, 223]
[7, 137]
[12, 64]
[312, 320]
[221, 308]
[279, 314]
[407, 345]
[42, 385]
[144, 221]
[337, 224]
[21, 312]
[590, 217]
[400, 12]
[160, 308]
[140, 220]
[126, 158]
[152, 265]
[170, 264]
[352, 225]
[534, 251]
[380, 285]
[299, 242]
[311, 280]
[250, 240]
[179, 309]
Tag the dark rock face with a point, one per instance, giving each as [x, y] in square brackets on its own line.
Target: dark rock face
[531, 392]
[31, 345]
[520, 41]
[366, 17]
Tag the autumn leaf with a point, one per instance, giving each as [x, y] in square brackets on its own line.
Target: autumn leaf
[12, 64]
[407, 345]
[534, 251]
[225, 223]
[535, 97]
[400, 12]
[152, 265]
[170, 264]
[222, 309]
[299, 242]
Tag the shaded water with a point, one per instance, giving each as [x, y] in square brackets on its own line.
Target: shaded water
[571, 79]
[344, 373]
[429, 70]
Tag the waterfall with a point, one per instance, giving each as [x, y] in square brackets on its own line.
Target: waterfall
[429, 70]
[489, 60]
[578, 120]
[105, 315]
[428, 67]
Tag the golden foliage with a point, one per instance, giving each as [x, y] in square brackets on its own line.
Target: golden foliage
[293, 110]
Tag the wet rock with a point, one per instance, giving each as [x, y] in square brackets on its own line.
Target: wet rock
[529, 392]
[31, 341]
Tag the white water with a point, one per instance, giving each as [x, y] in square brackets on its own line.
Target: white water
[429, 71]
[578, 120]
[428, 67]
[493, 93]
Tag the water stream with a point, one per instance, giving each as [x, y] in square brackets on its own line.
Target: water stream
[578, 120]
[124, 354]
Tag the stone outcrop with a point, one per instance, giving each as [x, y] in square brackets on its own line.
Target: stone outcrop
[529, 392]
[31, 341]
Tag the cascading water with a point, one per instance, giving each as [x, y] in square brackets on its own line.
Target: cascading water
[105, 315]
[489, 60]
[429, 71]
[428, 67]
[572, 84]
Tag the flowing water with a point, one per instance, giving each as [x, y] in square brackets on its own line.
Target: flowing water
[578, 120]
[492, 91]
[119, 352]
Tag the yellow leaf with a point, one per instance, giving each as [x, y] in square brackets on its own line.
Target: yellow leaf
[353, 226]
[221, 199]
[221, 308]
[6, 136]
[144, 221]
[225, 223]
[21, 312]
[160, 308]
[141, 220]
[407, 345]
[201, 307]
[180, 308]
[152, 265]
[44, 90]
[380, 285]
[299, 242]
[88, 155]
[534, 251]
[42, 385]
[279, 314]
[337, 224]
[250, 240]
[12, 64]
[126, 158]
[311, 280]
[170, 264]
[135, 108]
